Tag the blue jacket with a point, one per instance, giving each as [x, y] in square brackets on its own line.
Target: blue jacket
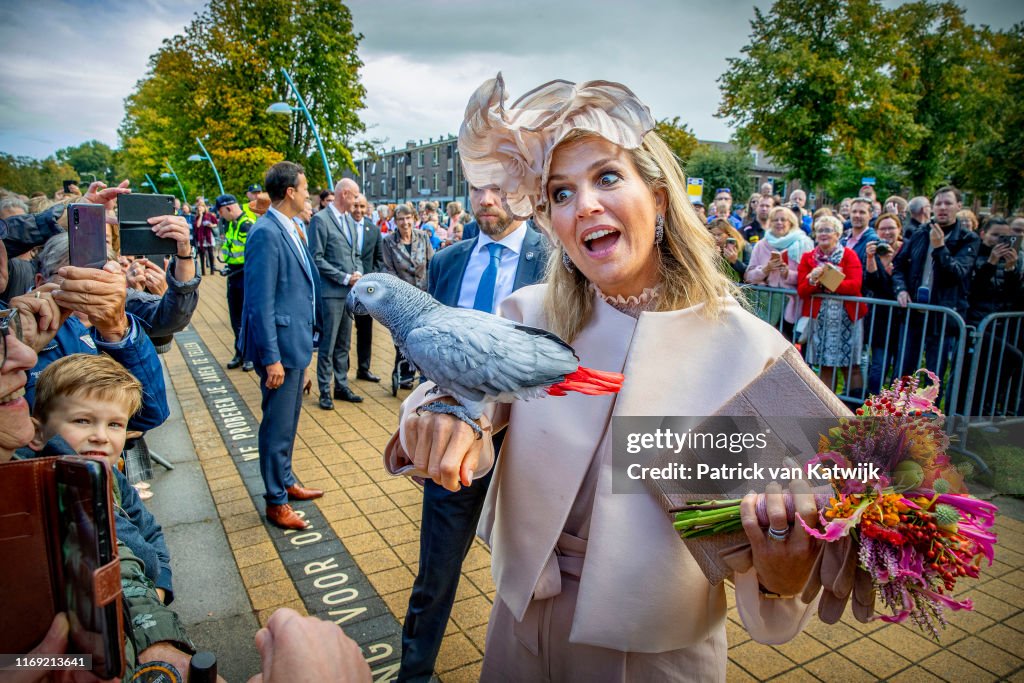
[278, 316]
[861, 248]
[444, 275]
[135, 352]
[162, 316]
[134, 524]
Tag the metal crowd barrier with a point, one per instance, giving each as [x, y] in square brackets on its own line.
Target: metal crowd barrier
[994, 385]
[895, 341]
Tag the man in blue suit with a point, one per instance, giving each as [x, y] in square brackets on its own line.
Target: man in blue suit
[478, 273]
[278, 326]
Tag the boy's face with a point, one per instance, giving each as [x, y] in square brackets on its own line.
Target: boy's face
[90, 426]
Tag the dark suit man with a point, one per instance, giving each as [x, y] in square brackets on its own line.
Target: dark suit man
[335, 242]
[278, 326]
[473, 273]
[372, 257]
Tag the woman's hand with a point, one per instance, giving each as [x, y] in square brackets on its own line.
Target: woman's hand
[782, 566]
[444, 447]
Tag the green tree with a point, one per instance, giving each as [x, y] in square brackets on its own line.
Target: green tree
[25, 175]
[678, 136]
[995, 163]
[217, 79]
[815, 80]
[92, 157]
[846, 174]
[941, 62]
[721, 168]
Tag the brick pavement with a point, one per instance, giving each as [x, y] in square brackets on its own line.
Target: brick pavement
[377, 518]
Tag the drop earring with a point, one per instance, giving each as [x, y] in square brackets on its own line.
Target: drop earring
[659, 229]
[567, 262]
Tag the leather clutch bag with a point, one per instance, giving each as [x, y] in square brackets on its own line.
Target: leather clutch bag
[789, 401]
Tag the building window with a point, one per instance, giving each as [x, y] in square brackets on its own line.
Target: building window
[384, 170]
[419, 159]
[383, 187]
[436, 187]
[434, 160]
[394, 184]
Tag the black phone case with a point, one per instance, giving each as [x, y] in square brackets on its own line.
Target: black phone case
[106, 584]
[133, 214]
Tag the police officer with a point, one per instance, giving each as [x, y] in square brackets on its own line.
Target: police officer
[237, 224]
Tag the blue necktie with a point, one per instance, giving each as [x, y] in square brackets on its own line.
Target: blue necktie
[484, 300]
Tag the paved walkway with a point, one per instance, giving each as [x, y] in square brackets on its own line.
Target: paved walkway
[376, 519]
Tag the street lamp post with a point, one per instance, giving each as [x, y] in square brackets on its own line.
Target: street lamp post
[285, 108]
[152, 185]
[87, 173]
[205, 156]
[176, 178]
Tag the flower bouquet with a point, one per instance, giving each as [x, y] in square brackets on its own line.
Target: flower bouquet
[911, 532]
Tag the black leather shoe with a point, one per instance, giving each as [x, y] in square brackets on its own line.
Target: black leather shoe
[326, 403]
[247, 366]
[346, 394]
[367, 376]
[234, 362]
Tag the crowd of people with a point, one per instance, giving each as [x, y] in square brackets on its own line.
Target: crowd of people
[601, 222]
[922, 250]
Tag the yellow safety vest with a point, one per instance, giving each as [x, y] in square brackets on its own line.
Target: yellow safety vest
[234, 240]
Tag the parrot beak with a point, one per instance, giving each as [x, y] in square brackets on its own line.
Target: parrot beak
[353, 306]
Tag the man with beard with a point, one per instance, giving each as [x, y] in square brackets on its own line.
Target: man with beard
[478, 273]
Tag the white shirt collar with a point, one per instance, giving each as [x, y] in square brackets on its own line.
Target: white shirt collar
[285, 221]
[512, 241]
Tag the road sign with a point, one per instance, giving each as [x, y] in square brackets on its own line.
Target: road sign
[695, 188]
[867, 181]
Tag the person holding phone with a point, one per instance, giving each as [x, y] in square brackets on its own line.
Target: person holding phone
[774, 263]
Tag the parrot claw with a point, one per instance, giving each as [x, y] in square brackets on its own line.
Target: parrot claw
[458, 411]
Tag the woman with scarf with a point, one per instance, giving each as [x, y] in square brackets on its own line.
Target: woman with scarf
[774, 263]
[838, 334]
[591, 585]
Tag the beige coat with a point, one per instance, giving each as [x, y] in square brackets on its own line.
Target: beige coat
[640, 589]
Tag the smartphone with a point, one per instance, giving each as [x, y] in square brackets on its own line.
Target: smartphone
[86, 541]
[87, 235]
[1009, 240]
[137, 236]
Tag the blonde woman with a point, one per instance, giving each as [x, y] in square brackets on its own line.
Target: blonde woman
[591, 585]
[774, 263]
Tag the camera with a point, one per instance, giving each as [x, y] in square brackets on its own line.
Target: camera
[883, 248]
[1009, 240]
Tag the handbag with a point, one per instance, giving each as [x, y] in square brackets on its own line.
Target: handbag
[786, 389]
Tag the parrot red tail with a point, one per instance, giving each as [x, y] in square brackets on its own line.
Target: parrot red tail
[588, 381]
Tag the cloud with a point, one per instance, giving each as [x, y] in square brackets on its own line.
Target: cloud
[69, 64]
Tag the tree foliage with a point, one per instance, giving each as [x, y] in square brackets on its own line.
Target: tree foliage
[940, 61]
[913, 93]
[217, 78]
[25, 175]
[678, 136]
[92, 158]
[814, 81]
[721, 168]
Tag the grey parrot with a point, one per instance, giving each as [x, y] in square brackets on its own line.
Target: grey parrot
[475, 357]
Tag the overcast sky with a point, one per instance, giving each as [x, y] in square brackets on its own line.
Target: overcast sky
[67, 65]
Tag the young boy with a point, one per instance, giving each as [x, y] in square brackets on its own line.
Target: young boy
[83, 404]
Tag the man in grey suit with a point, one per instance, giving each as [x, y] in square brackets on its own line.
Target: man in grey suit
[372, 256]
[336, 241]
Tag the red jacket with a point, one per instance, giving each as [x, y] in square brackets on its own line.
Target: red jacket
[850, 286]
